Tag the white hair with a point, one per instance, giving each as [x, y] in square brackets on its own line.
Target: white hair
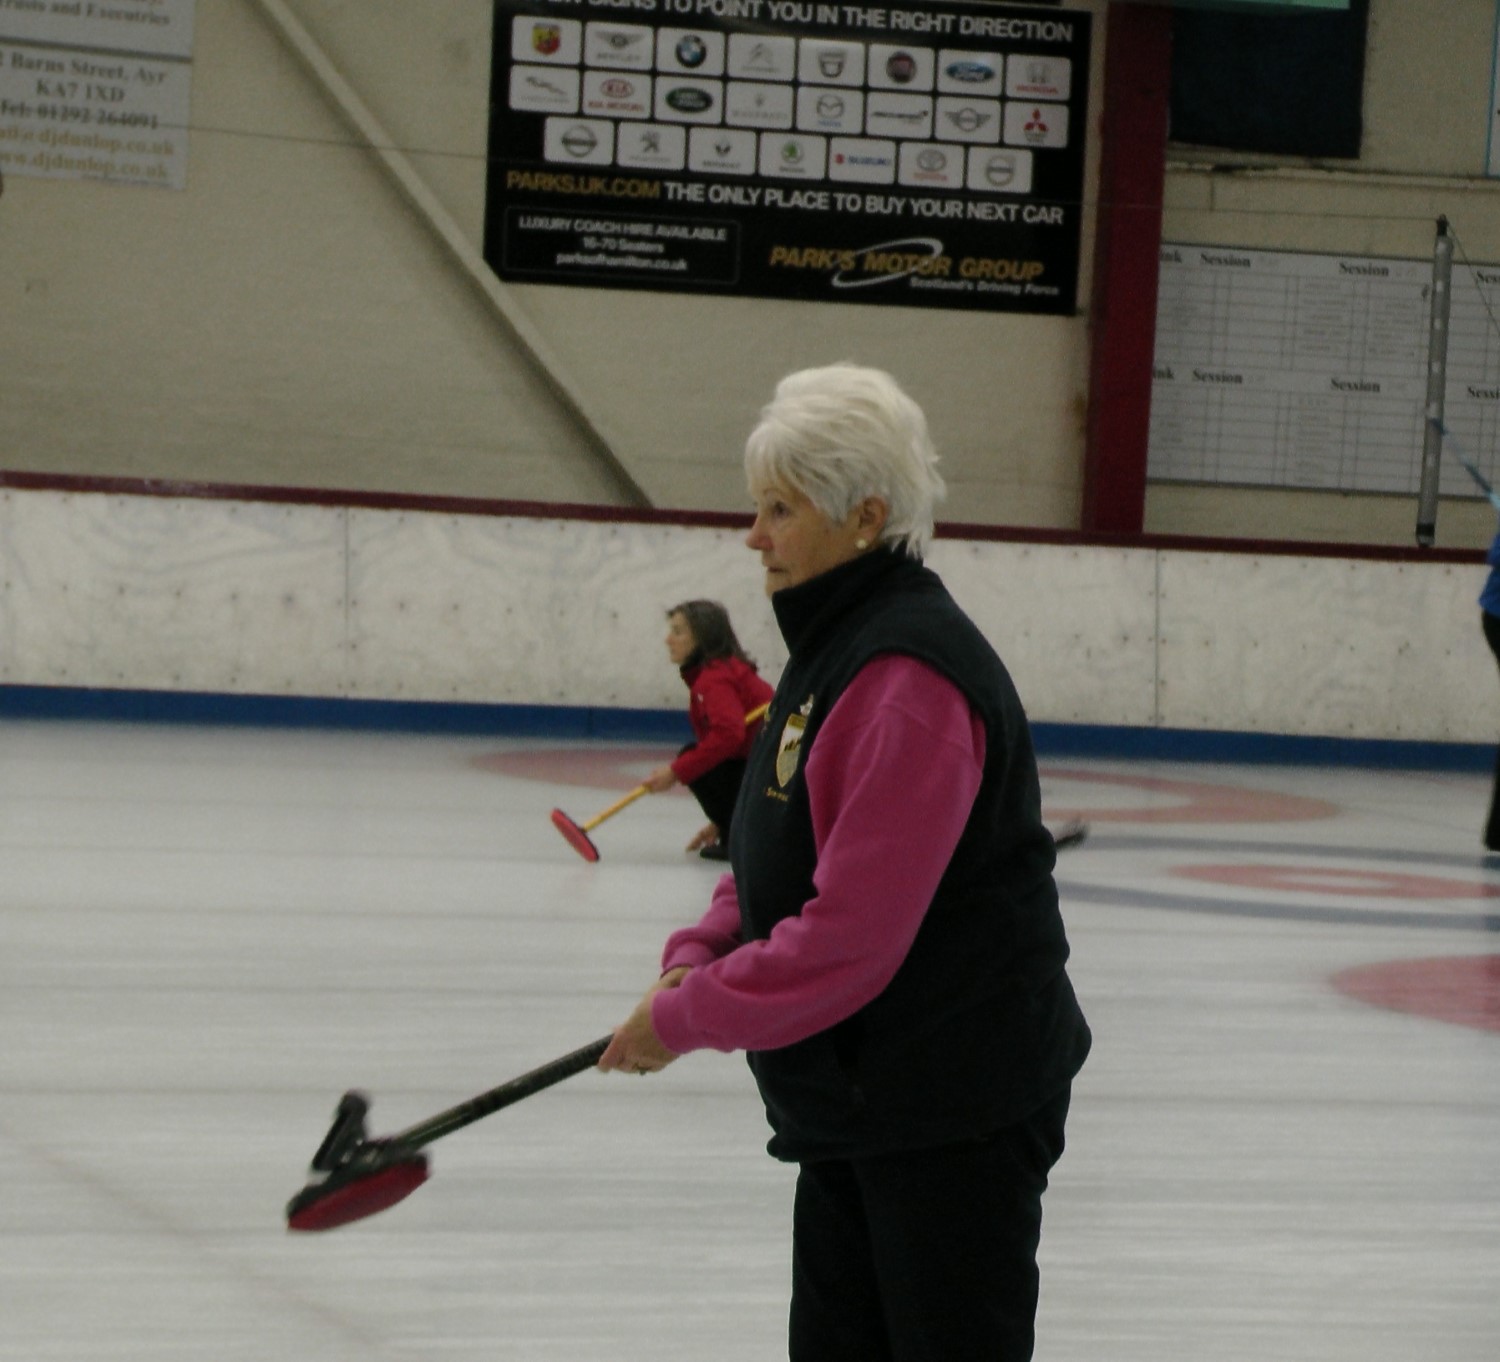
[842, 433]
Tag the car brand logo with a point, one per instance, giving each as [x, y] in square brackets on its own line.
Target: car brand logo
[831, 63]
[932, 160]
[692, 50]
[617, 39]
[761, 58]
[1000, 170]
[969, 72]
[686, 99]
[546, 39]
[579, 141]
[968, 120]
[617, 87]
[901, 67]
[830, 106]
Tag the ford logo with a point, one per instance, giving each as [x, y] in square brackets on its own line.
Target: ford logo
[970, 72]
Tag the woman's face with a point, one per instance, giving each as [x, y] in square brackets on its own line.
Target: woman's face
[680, 640]
[797, 542]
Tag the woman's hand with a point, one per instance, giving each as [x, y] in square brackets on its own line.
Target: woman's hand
[706, 836]
[635, 1048]
[660, 780]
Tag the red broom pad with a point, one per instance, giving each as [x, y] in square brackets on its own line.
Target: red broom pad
[326, 1206]
[577, 838]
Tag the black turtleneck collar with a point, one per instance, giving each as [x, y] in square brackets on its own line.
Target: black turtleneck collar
[800, 610]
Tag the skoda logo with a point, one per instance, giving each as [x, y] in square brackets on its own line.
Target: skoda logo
[686, 99]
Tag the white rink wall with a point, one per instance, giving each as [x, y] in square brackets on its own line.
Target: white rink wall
[244, 597]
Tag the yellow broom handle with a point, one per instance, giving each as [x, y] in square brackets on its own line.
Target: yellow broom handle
[614, 808]
[639, 790]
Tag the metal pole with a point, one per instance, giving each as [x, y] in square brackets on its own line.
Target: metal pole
[1437, 385]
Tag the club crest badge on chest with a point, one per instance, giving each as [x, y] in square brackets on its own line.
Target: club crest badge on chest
[789, 749]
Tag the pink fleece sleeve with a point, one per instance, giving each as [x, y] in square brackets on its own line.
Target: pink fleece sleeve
[891, 779]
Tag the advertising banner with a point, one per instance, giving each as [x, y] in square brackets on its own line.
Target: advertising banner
[96, 91]
[923, 155]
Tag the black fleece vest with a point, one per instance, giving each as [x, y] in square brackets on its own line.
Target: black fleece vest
[980, 1025]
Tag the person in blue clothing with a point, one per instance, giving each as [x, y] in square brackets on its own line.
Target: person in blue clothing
[1489, 619]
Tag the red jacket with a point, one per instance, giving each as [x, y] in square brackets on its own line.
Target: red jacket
[721, 693]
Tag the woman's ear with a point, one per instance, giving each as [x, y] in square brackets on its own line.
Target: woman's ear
[871, 515]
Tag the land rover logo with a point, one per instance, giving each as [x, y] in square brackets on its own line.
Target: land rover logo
[686, 99]
[579, 141]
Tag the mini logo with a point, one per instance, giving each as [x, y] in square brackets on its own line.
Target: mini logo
[901, 68]
[579, 141]
[691, 50]
[546, 39]
[686, 99]
[968, 120]
[969, 72]
[831, 63]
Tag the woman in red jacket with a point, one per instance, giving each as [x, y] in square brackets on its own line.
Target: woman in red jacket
[723, 687]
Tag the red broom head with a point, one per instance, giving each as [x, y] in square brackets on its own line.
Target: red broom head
[577, 838]
[326, 1206]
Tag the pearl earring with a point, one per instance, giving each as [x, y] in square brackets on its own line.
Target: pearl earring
[861, 543]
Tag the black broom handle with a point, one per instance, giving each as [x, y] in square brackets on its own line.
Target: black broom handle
[466, 1113]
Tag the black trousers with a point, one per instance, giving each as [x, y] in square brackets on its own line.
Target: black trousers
[1491, 625]
[924, 1256]
[716, 790]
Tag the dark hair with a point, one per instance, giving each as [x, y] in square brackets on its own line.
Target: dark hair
[712, 632]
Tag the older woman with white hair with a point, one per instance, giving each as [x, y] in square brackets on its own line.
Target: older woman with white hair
[888, 949]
